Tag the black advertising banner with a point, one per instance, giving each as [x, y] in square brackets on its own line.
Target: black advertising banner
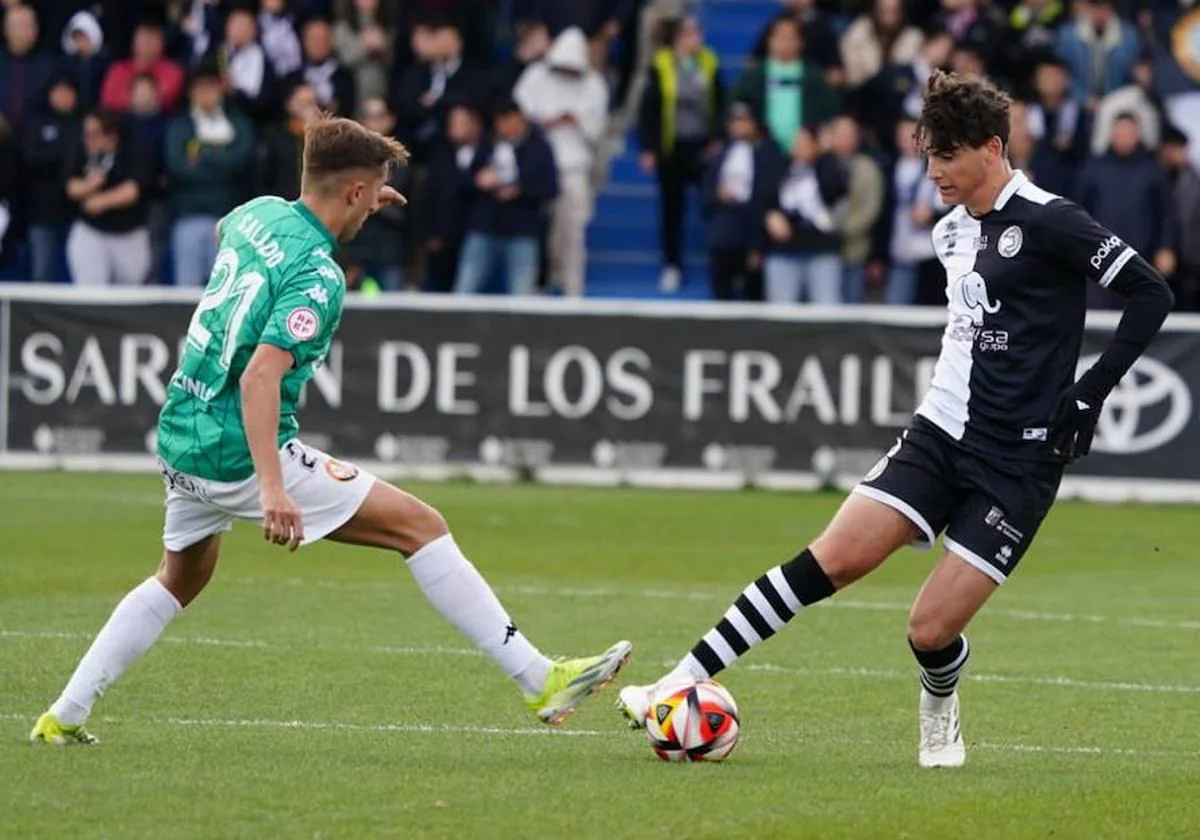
[718, 391]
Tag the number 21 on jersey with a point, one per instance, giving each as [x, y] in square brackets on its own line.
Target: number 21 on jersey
[231, 298]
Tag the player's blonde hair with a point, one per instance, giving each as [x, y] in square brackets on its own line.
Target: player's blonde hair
[336, 145]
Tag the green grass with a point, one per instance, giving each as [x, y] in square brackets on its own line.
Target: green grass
[1080, 719]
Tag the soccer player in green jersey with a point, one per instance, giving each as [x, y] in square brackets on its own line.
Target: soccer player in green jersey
[228, 446]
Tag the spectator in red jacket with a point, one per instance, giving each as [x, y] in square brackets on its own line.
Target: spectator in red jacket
[148, 58]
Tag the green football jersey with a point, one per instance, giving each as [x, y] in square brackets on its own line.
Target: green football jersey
[274, 282]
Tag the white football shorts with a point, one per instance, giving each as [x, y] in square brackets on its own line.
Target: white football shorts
[328, 492]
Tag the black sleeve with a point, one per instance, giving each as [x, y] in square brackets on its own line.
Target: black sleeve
[1087, 247]
[1148, 301]
[832, 180]
[1081, 245]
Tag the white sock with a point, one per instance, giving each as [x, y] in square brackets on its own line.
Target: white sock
[688, 668]
[462, 596]
[133, 627]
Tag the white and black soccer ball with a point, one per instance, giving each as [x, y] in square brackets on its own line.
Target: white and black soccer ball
[692, 722]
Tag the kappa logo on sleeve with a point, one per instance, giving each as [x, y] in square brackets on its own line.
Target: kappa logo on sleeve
[302, 323]
[316, 292]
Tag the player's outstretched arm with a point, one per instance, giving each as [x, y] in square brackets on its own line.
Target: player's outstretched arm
[260, 417]
[1104, 258]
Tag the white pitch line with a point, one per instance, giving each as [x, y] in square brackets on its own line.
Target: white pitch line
[258, 644]
[1054, 681]
[714, 596]
[452, 729]
[405, 728]
[443, 650]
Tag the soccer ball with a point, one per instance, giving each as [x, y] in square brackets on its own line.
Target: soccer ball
[687, 722]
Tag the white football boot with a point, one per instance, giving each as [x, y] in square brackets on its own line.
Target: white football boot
[633, 701]
[941, 732]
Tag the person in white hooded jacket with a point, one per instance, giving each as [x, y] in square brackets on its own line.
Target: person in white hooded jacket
[569, 100]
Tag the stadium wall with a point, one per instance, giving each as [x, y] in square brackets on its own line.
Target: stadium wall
[701, 395]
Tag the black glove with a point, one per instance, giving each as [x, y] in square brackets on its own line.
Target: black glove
[1073, 421]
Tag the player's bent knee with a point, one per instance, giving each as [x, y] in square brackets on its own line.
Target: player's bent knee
[928, 631]
[185, 573]
[427, 526]
[846, 557]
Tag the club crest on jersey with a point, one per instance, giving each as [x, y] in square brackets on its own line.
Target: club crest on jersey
[1010, 242]
[302, 323]
[339, 471]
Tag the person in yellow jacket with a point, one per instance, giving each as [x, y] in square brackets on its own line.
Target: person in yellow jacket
[680, 129]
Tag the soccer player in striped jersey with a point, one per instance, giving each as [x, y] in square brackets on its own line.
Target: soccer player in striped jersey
[229, 449]
[982, 459]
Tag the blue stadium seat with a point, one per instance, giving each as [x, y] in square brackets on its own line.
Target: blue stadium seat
[623, 259]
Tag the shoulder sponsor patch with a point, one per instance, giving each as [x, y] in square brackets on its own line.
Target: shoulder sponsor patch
[303, 323]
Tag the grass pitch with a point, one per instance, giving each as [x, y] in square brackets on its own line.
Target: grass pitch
[318, 695]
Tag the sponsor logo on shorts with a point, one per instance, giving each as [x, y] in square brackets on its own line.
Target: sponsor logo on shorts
[303, 323]
[340, 471]
[1038, 433]
[1004, 555]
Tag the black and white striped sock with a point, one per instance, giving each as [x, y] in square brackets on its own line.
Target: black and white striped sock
[758, 614]
[940, 669]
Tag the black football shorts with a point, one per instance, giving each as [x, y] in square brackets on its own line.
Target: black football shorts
[988, 510]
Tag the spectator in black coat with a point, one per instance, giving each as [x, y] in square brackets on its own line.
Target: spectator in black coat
[1185, 198]
[421, 91]
[9, 157]
[24, 70]
[976, 26]
[803, 256]
[471, 18]
[246, 71]
[333, 82]
[1127, 190]
[532, 42]
[737, 190]
[85, 57]
[282, 149]
[148, 121]
[450, 191]
[377, 253]
[46, 146]
[592, 16]
[516, 179]
[1059, 128]
[108, 180]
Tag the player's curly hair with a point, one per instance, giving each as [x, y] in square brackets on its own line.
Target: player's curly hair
[961, 112]
[334, 145]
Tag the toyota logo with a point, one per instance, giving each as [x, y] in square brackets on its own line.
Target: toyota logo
[1148, 385]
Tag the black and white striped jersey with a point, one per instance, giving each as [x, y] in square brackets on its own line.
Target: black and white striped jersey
[1016, 285]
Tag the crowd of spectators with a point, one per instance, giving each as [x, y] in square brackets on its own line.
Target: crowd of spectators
[127, 128]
